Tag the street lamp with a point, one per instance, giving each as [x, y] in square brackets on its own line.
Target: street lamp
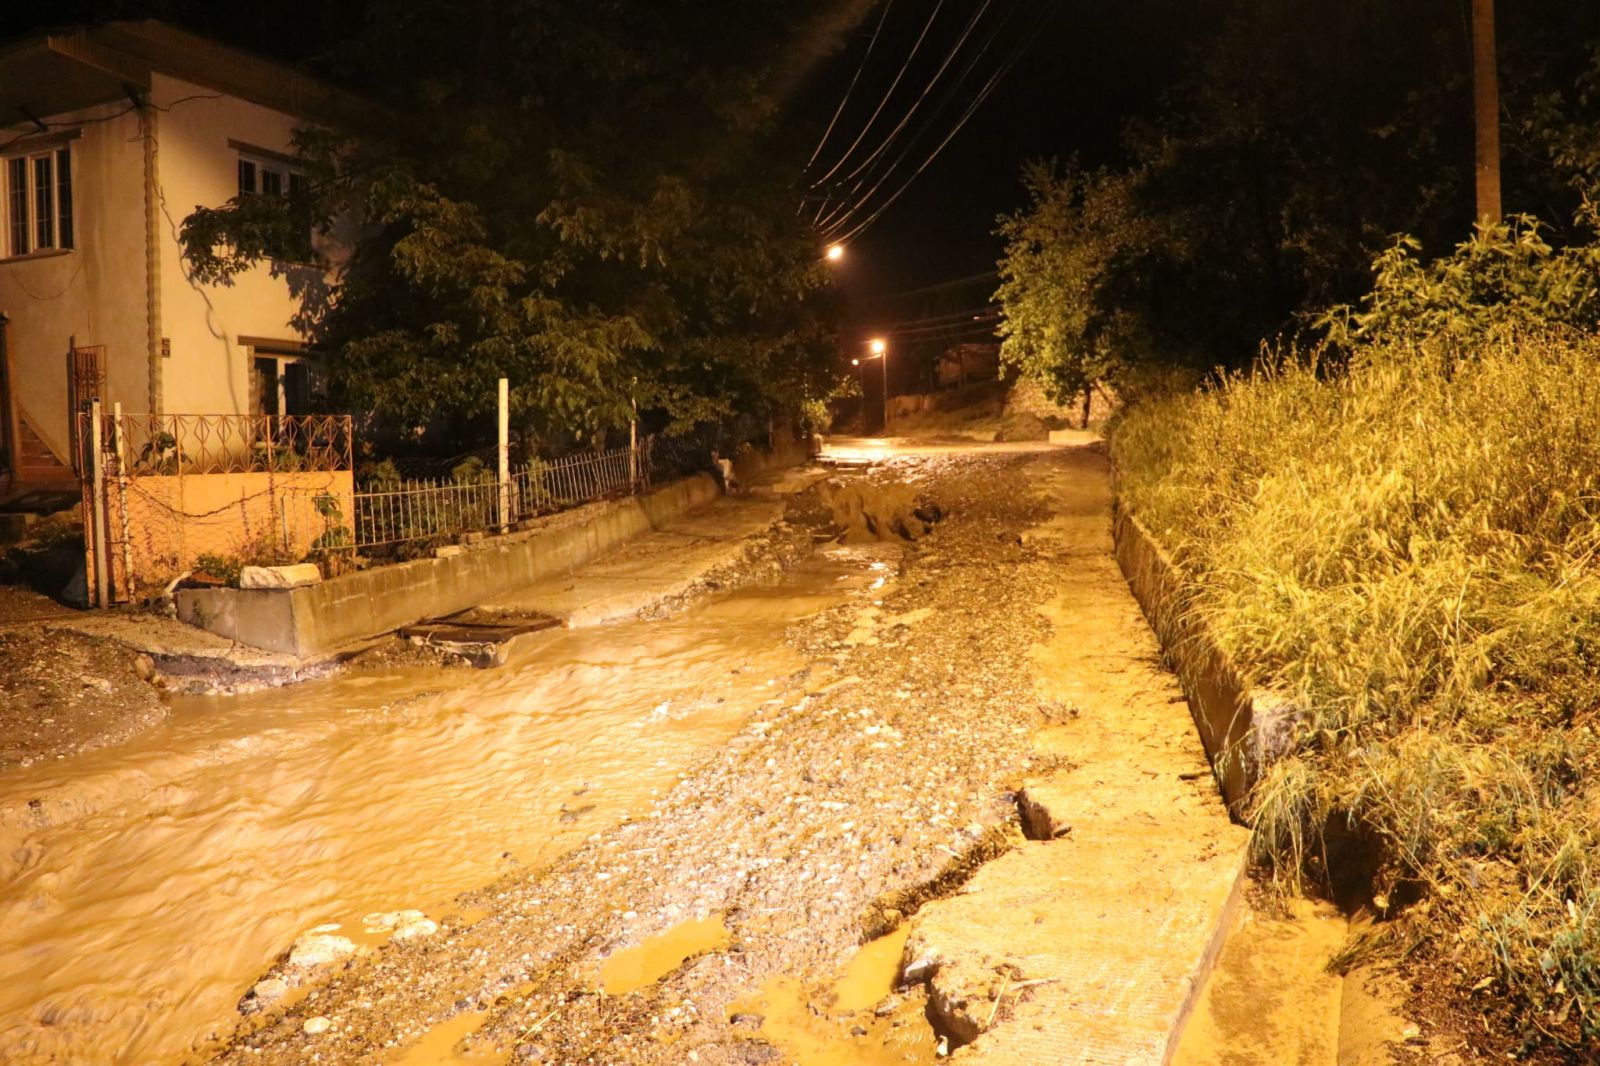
[835, 252]
[880, 350]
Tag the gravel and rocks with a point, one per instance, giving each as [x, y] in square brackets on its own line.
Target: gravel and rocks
[63, 693]
[883, 773]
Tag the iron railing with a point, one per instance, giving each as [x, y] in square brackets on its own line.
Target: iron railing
[550, 485]
[155, 445]
[390, 512]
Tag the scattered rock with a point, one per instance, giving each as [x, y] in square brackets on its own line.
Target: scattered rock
[747, 1018]
[401, 925]
[318, 1024]
[263, 994]
[919, 970]
[318, 949]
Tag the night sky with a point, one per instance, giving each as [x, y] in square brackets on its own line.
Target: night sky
[1080, 69]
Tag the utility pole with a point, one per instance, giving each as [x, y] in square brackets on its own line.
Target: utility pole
[1486, 111]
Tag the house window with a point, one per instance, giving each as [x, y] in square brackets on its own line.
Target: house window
[38, 201]
[262, 176]
[286, 384]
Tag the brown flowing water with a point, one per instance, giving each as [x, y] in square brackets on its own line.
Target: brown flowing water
[142, 889]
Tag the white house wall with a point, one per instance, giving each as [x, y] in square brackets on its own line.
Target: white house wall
[94, 292]
[208, 371]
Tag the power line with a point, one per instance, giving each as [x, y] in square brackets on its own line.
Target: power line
[892, 86]
[972, 108]
[983, 94]
[948, 317]
[926, 91]
[954, 283]
[845, 205]
[851, 88]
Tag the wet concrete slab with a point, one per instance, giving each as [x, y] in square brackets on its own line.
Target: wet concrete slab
[664, 564]
[1090, 946]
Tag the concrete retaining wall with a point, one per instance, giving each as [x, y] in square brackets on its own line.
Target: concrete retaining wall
[321, 619]
[1243, 728]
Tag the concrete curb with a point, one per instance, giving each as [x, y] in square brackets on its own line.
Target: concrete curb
[319, 620]
[1244, 727]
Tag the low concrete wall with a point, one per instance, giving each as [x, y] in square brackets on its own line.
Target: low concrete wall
[321, 619]
[1243, 728]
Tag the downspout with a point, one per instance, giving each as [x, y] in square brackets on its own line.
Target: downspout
[152, 255]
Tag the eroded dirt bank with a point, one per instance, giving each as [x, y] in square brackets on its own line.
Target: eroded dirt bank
[890, 755]
[63, 693]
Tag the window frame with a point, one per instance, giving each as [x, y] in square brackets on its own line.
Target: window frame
[287, 175]
[283, 356]
[48, 179]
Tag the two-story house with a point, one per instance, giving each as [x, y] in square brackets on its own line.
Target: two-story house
[111, 135]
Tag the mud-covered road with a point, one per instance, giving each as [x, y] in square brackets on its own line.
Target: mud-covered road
[877, 772]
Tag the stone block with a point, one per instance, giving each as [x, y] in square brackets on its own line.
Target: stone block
[294, 576]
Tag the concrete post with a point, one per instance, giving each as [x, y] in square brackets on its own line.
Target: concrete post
[122, 498]
[504, 454]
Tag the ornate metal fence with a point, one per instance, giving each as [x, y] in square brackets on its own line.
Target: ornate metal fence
[168, 493]
[388, 513]
[163, 493]
[234, 444]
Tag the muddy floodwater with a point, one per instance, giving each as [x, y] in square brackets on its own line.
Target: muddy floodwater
[145, 887]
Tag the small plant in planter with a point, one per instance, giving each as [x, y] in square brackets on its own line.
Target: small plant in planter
[221, 569]
[333, 550]
[161, 454]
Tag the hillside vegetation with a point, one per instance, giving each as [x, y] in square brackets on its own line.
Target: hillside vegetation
[1409, 544]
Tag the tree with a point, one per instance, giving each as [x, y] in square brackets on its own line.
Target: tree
[592, 199]
[1058, 279]
[1300, 141]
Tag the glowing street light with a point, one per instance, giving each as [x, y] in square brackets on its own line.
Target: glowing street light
[835, 252]
[880, 350]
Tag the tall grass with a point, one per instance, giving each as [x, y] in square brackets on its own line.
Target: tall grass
[1411, 545]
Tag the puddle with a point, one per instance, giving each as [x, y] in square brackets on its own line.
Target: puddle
[156, 881]
[1269, 999]
[632, 968]
[438, 1045]
[838, 1026]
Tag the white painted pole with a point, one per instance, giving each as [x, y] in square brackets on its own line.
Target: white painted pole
[505, 455]
[98, 504]
[122, 497]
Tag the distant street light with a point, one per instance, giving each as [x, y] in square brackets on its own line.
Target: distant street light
[880, 350]
[835, 252]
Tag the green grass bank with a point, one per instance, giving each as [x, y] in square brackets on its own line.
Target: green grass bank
[1411, 545]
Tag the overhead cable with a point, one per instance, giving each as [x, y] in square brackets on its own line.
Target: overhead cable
[834, 231]
[892, 86]
[845, 99]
